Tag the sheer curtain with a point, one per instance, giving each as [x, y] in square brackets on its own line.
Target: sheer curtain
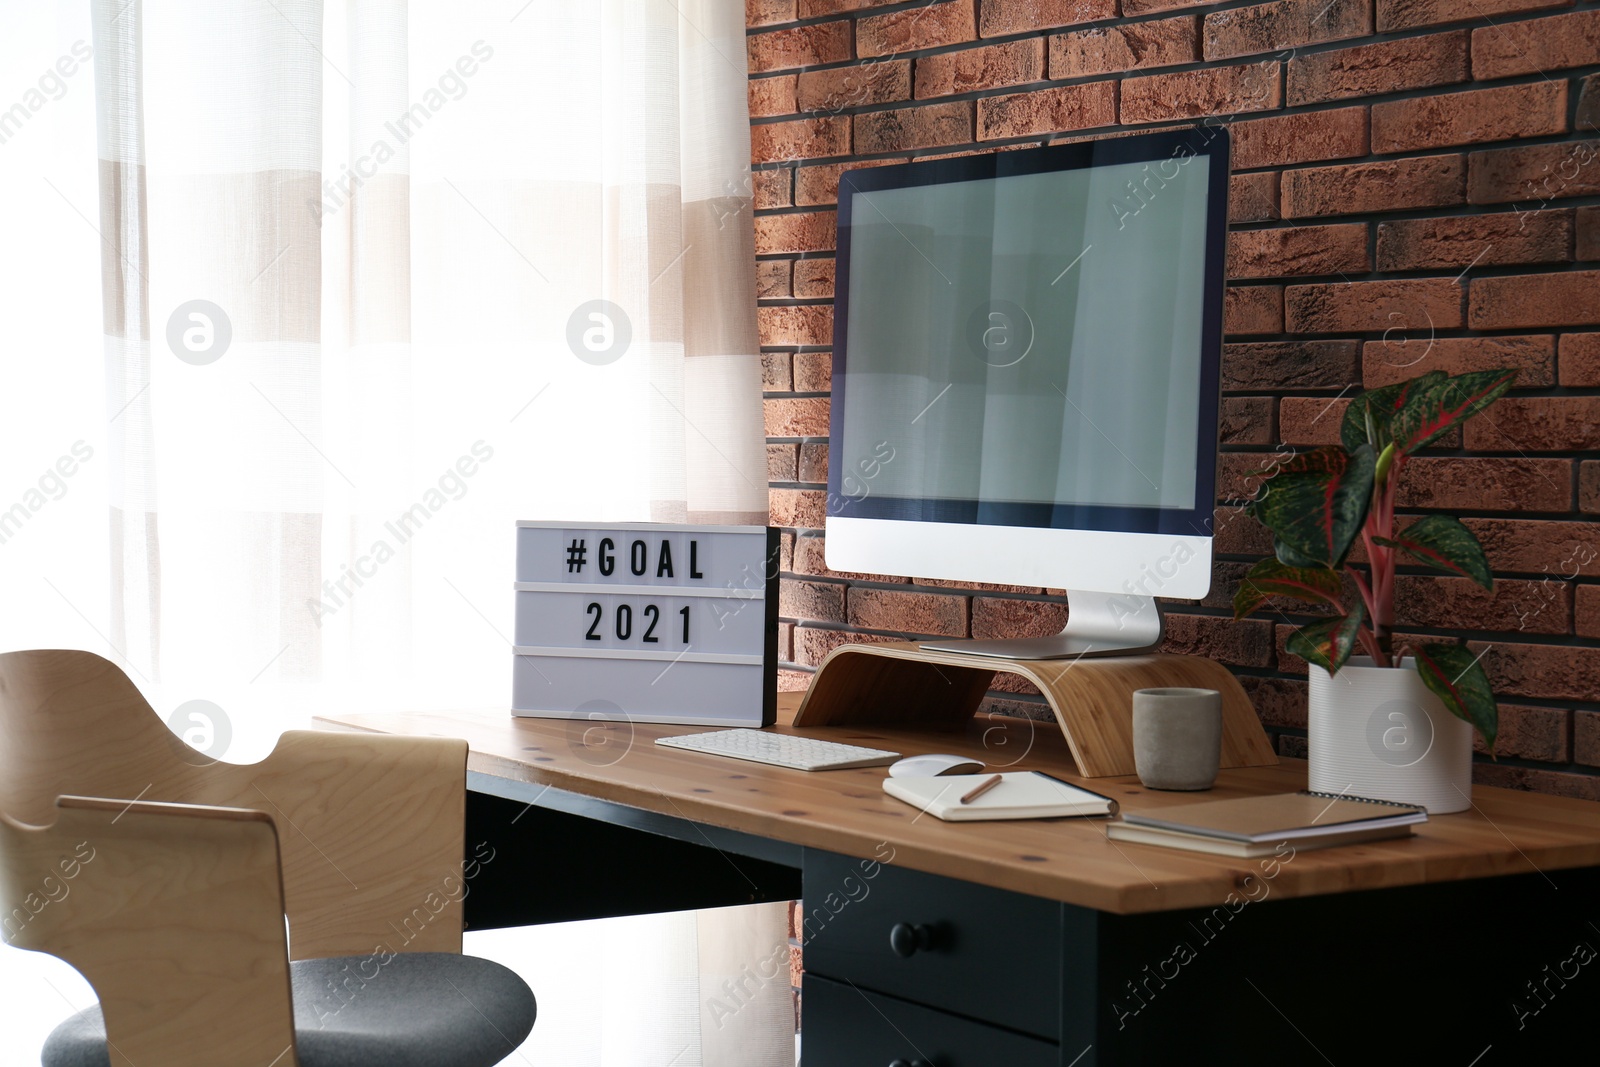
[377, 279]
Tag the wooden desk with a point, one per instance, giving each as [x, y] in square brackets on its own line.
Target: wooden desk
[1113, 952]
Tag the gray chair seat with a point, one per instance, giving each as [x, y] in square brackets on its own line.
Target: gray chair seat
[420, 1009]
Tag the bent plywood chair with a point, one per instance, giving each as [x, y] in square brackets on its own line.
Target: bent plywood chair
[165, 878]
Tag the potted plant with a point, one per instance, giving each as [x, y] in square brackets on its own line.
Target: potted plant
[1388, 722]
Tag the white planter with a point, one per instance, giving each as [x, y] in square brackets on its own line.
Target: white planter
[1379, 732]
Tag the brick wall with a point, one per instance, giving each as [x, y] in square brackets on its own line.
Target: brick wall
[1417, 185]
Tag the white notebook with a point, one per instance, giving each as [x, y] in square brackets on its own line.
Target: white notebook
[1020, 795]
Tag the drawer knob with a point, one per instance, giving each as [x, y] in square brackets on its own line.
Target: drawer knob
[905, 939]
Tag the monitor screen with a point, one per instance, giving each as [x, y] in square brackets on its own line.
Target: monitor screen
[1031, 341]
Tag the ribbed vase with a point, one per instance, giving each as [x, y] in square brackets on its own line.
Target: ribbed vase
[1379, 732]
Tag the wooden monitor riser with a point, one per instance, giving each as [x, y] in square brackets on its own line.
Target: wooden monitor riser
[901, 684]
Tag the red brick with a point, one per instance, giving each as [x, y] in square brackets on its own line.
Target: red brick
[844, 87]
[1587, 241]
[1401, 357]
[1386, 185]
[814, 9]
[925, 26]
[1374, 69]
[809, 231]
[797, 417]
[813, 278]
[1551, 672]
[1297, 365]
[970, 70]
[772, 96]
[1291, 250]
[1279, 702]
[1205, 91]
[777, 142]
[1589, 486]
[1536, 46]
[812, 645]
[786, 642]
[772, 279]
[1470, 117]
[782, 326]
[772, 188]
[810, 557]
[816, 601]
[1536, 174]
[1150, 7]
[914, 127]
[1513, 606]
[1586, 737]
[1586, 614]
[782, 462]
[799, 46]
[1247, 643]
[1538, 780]
[1252, 309]
[768, 12]
[1253, 197]
[1529, 733]
[1392, 304]
[1460, 241]
[1310, 421]
[998, 18]
[1410, 14]
[1538, 546]
[1130, 46]
[1580, 360]
[814, 462]
[813, 372]
[1240, 475]
[993, 617]
[1571, 298]
[1246, 420]
[1302, 138]
[939, 614]
[1537, 424]
[820, 184]
[1481, 484]
[775, 374]
[1243, 31]
[1071, 107]
[1236, 533]
[791, 681]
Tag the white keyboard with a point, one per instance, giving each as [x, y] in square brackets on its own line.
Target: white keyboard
[781, 750]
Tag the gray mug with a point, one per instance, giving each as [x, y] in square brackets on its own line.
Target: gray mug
[1177, 737]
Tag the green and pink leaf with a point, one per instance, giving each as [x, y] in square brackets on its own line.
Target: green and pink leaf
[1315, 504]
[1272, 577]
[1457, 676]
[1329, 643]
[1430, 412]
[1441, 542]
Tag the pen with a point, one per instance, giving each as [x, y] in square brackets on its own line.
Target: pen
[981, 788]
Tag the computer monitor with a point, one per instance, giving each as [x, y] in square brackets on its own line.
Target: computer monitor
[1027, 347]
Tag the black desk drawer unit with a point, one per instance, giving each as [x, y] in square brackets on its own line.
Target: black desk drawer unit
[857, 1028]
[966, 949]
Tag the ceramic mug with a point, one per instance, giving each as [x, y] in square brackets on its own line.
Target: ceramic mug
[1177, 737]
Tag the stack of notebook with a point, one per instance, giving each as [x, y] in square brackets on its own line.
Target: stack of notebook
[1256, 826]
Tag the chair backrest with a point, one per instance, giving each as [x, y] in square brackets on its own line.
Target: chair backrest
[370, 827]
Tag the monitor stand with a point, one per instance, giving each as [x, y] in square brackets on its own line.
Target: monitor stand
[1098, 624]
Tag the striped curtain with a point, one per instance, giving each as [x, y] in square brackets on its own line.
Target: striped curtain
[380, 279]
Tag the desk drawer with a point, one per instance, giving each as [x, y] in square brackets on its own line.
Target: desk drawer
[980, 952]
[845, 1027]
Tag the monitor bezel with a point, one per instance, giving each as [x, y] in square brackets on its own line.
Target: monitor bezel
[1208, 142]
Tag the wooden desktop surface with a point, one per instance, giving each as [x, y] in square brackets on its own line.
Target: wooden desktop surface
[1071, 860]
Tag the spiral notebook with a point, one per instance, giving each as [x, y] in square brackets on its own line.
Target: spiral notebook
[1019, 795]
[1257, 826]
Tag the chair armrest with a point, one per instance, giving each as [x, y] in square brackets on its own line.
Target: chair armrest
[371, 829]
[173, 912]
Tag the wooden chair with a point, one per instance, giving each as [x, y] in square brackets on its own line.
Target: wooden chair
[165, 879]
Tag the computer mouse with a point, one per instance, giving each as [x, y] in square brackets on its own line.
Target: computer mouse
[934, 764]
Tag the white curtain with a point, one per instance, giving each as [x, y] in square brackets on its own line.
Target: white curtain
[375, 279]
